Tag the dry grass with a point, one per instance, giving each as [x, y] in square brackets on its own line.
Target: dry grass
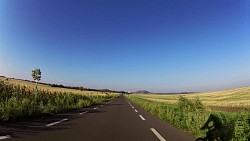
[228, 98]
[50, 88]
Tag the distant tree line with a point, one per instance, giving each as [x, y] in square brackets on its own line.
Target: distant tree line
[71, 87]
[86, 89]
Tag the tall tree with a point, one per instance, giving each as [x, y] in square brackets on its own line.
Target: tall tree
[36, 74]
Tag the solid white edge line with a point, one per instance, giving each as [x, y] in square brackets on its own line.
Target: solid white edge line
[54, 123]
[5, 137]
[136, 111]
[157, 134]
[142, 118]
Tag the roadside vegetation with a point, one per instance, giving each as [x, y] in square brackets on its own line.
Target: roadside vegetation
[18, 101]
[190, 114]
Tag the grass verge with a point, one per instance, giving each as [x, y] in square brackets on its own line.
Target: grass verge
[190, 115]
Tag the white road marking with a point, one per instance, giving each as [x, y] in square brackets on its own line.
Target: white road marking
[5, 137]
[95, 108]
[84, 112]
[142, 118]
[136, 111]
[54, 123]
[101, 105]
[157, 134]
[132, 106]
[127, 101]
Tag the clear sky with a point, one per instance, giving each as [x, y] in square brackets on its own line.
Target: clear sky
[154, 45]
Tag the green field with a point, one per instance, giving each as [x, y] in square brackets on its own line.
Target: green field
[191, 111]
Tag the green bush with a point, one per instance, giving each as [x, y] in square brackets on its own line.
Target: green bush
[81, 88]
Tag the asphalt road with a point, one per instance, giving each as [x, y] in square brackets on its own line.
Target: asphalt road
[118, 120]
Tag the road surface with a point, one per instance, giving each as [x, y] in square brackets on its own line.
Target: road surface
[117, 120]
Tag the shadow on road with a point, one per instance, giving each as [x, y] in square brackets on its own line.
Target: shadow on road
[115, 104]
[32, 126]
[217, 131]
[36, 125]
[97, 111]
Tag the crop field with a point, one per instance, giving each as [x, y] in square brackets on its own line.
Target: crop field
[235, 99]
[49, 88]
[18, 101]
[191, 111]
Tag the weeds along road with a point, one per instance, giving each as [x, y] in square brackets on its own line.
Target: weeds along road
[118, 120]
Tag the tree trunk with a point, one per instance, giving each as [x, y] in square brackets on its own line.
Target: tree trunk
[36, 95]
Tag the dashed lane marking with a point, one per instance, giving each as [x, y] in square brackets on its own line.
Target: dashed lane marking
[84, 112]
[131, 105]
[95, 108]
[157, 134]
[136, 111]
[54, 123]
[142, 118]
[5, 137]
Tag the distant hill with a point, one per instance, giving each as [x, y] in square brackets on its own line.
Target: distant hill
[142, 92]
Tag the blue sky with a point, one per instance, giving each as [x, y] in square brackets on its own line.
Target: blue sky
[155, 45]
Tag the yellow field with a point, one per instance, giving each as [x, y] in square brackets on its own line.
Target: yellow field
[228, 98]
[47, 87]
